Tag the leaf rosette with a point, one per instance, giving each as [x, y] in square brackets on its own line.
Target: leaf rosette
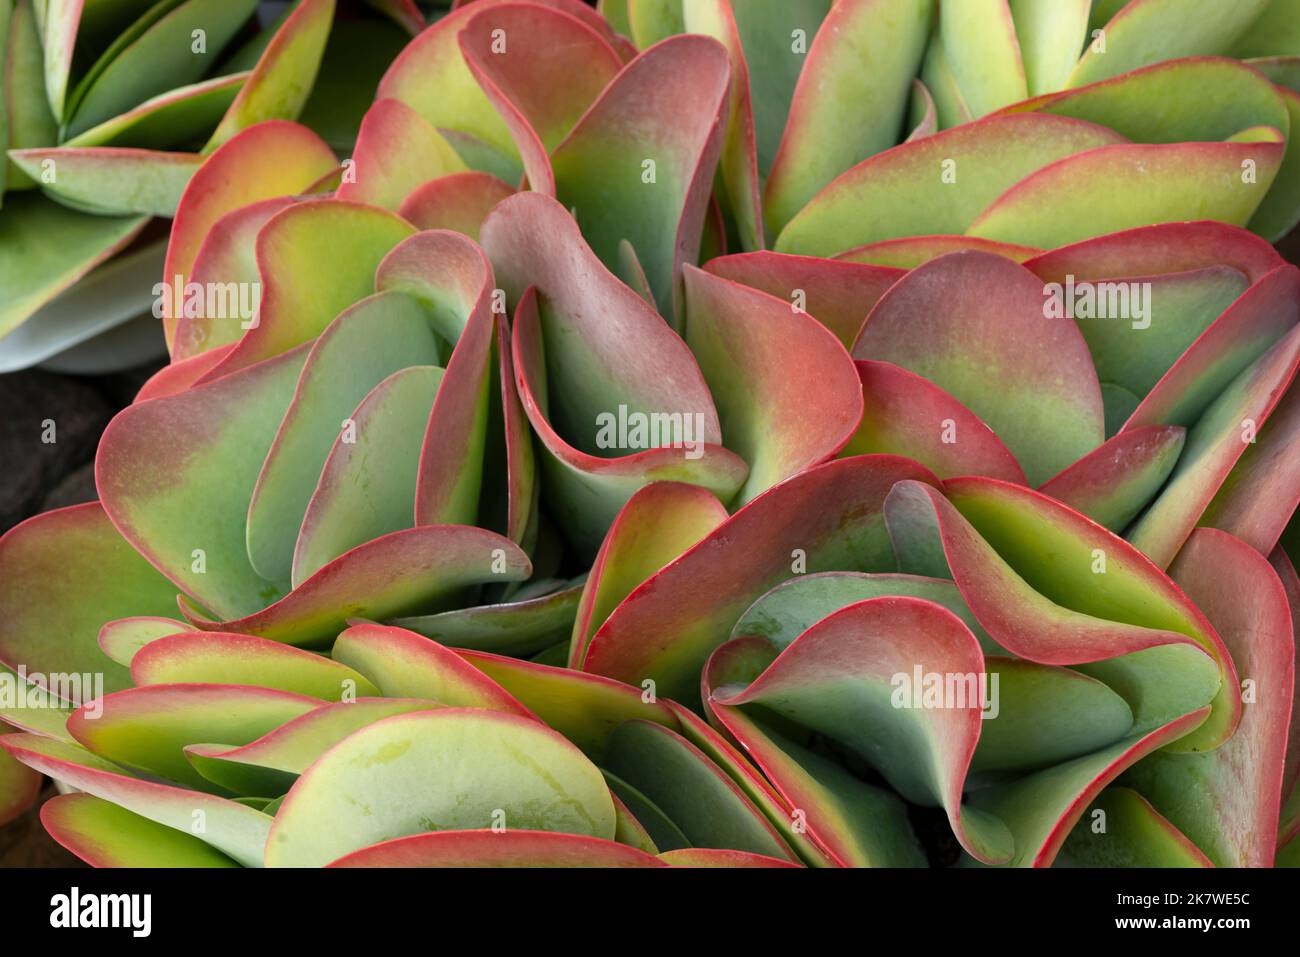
[963, 513]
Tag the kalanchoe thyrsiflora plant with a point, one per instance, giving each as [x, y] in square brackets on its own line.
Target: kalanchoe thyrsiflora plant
[821, 91]
[107, 111]
[495, 530]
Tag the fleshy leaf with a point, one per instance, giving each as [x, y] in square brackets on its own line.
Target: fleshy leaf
[237, 831]
[270, 159]
[903, 191]
[1027, 567]
[1214, 446]
[936, 73]
[406, 665]
[279, 85]
[828, 517]
[368, 483]
[314, 259]
[823, 136]
[905, 414]
[398, 574]
[1179, 306]
[111, 181]
[208, 444]
[838, 295]
[610, 356]
[844, 665]
[368, 342]
[234, 659]
[28, 121]
[524, 625]
[451, 277]
[584, 708]
[1144, 183]
[639, 164]
[652, 21]
[1149, 30]
[1044, 715]
[56, 594]
[1202, 99]
[46, 247]
[951, 321]
[1116, 480]
[105, 835]
[460, 201]
[396, 151]
[271, 764]
[431, 76]
[147, 727]
[58, 21]
[658, 523]
[155, 54]
[705, 804]
[1042, 808]
[1136, 835]
[183, 115]
[489, 848]
[1227, 800]
[1254, 323]
[1256, 500]
[228, 254]
[523, 57]
[858, 824]
[739, 161]
[1279, 213]
[757, 354]
[454, 769]
[121, 639]
[982, 51]
[1050, 33]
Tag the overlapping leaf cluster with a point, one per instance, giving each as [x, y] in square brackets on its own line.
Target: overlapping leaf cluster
[429, 615]
[109, 107]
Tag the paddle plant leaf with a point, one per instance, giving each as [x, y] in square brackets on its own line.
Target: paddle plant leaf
[657, 433]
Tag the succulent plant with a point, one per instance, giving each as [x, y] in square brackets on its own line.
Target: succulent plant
[805, 115]
[491, 513]
[109, 108]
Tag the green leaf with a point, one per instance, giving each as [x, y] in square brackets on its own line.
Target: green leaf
[160, 52]
[454, 769]
[700, 800]
[46, 247]
[56, 596]
[105, 835]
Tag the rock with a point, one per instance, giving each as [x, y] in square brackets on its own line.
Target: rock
[50, 426]
[76, 487]
[24, 843]
[1289, 246]
[120, 388]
